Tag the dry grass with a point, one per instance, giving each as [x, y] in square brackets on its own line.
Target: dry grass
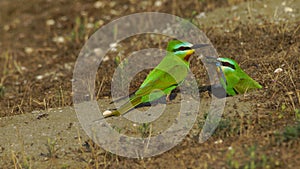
[263, 135]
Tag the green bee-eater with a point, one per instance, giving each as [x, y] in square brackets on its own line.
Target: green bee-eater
[164, 78]
[237, 81]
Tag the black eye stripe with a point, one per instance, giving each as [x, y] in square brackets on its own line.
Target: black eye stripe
[228, 65]
[182, 48]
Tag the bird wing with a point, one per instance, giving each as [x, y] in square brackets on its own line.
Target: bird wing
[166, 65]
[245, 84]
[232, 80]
[158, 81]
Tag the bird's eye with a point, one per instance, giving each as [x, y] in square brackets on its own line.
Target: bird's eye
[182, 48]
[228, 65]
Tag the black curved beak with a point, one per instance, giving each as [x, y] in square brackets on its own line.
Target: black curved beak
[196, 46]
[211, 60]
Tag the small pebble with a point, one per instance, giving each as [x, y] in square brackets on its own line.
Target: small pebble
[6, 27]
[28, 50]
[288, 9]
[158, 3]
[98, 4]
[39, 77]
[105, 59]
[278, 70]
[50, 22]
[219, 141]
[89, 26]
[201, 15]
[59, 39]
[113, 47]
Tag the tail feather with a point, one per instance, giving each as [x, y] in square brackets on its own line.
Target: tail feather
[247, 84]
[254, 84]
[122, 98]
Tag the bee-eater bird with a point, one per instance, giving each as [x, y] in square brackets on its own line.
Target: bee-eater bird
[164, 78]
[237, 81]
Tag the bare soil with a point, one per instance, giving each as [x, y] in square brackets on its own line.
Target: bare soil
[40, 41]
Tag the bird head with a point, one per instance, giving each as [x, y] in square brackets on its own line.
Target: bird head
[183, 49]
[228, 65]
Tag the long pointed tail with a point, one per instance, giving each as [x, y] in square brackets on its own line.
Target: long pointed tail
[247, 84]
[256, 84]
[124, 108]
[124, 97]
[252, 84]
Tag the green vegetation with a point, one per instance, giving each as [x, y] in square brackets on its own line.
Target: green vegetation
[52, 148]
[145, 130]
[290, 133]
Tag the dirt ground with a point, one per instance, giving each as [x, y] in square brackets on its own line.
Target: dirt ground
[40, 41]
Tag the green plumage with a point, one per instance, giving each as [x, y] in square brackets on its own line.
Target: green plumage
[237, 81]
[164, 78]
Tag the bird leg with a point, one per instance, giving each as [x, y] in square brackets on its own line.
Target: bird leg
[168, 98]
